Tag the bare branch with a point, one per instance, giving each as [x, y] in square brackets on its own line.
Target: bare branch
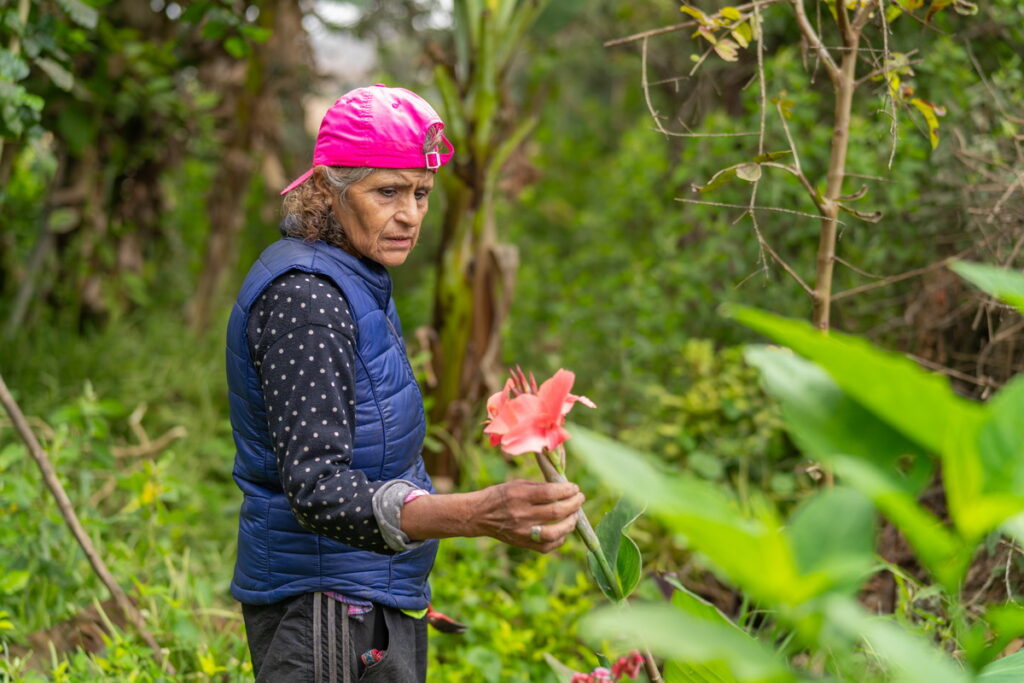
[1018, 182]
[863, 15]
[710, 135]
[153, 447]
[760, 208]
[789, 137]
[700, 61]
[762, 90]
[843, 21]
[956, 374]
[647, 90]
[855, 269]
[893, 279]
[812, 38]
[785, 266]
[798, 174]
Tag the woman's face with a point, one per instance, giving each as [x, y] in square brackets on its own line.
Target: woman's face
[382, 213]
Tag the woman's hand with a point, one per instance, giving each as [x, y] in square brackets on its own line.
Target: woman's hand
[508, 512]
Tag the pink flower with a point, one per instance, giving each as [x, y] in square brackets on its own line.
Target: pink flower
[532, 422]
[628, 665]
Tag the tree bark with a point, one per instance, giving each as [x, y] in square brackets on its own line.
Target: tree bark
[844, 83]
[273, 79]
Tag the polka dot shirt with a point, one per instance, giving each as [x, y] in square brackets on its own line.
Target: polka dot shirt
[302, 339]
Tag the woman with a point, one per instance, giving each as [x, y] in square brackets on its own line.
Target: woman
[338, 525]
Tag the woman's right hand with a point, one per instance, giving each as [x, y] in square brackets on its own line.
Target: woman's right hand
[510, 511]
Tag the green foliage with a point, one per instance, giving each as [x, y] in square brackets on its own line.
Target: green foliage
[874, 417]
[518, 606]
[709, 414]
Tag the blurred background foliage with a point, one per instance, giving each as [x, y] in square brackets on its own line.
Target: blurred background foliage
[144, 144]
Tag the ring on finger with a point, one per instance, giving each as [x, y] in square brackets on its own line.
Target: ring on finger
[535, 533]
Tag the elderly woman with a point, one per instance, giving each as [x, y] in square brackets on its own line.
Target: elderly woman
[339, 521]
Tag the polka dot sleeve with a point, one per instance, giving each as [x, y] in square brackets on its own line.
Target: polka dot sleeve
[302, 338]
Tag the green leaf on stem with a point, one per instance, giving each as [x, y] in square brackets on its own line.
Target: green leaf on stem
[619, 549]
[997, 628]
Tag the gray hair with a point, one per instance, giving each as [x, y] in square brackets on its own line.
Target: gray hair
[308, 213]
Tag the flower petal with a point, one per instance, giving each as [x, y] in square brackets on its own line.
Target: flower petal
[498, 399]
[571, 399]
[554, 391]
[555, 437]
[523, 441]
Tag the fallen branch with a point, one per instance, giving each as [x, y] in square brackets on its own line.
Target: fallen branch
[71, 519]
[149, 448]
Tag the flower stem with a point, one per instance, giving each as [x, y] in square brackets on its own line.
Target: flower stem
[551, 465]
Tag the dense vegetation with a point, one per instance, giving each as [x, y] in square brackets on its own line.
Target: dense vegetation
[143, 145]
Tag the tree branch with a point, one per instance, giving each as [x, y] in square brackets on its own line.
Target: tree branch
[815, 42]
[777, 209]
[893, 279]
[843, 21]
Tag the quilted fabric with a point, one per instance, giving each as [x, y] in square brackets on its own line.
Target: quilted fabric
[278, 558]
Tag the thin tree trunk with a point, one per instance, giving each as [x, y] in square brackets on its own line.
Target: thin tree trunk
[844, 84]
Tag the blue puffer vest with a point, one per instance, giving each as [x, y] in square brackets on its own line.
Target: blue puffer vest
[277, 558]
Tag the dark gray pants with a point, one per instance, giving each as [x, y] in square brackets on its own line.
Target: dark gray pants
[312, 639]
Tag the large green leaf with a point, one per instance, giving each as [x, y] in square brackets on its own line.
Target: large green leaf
[863, 450]
[710, 521]
[697, 672]
[80, 13]
[919, 404]
[834, 533]
[943, 553]
[683, 637]
[1006, 670]
[1001, 440]
[990, 635]
[907, 657]
[825, 422]
[705, 671]
[1001, 283]
[563, 673]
